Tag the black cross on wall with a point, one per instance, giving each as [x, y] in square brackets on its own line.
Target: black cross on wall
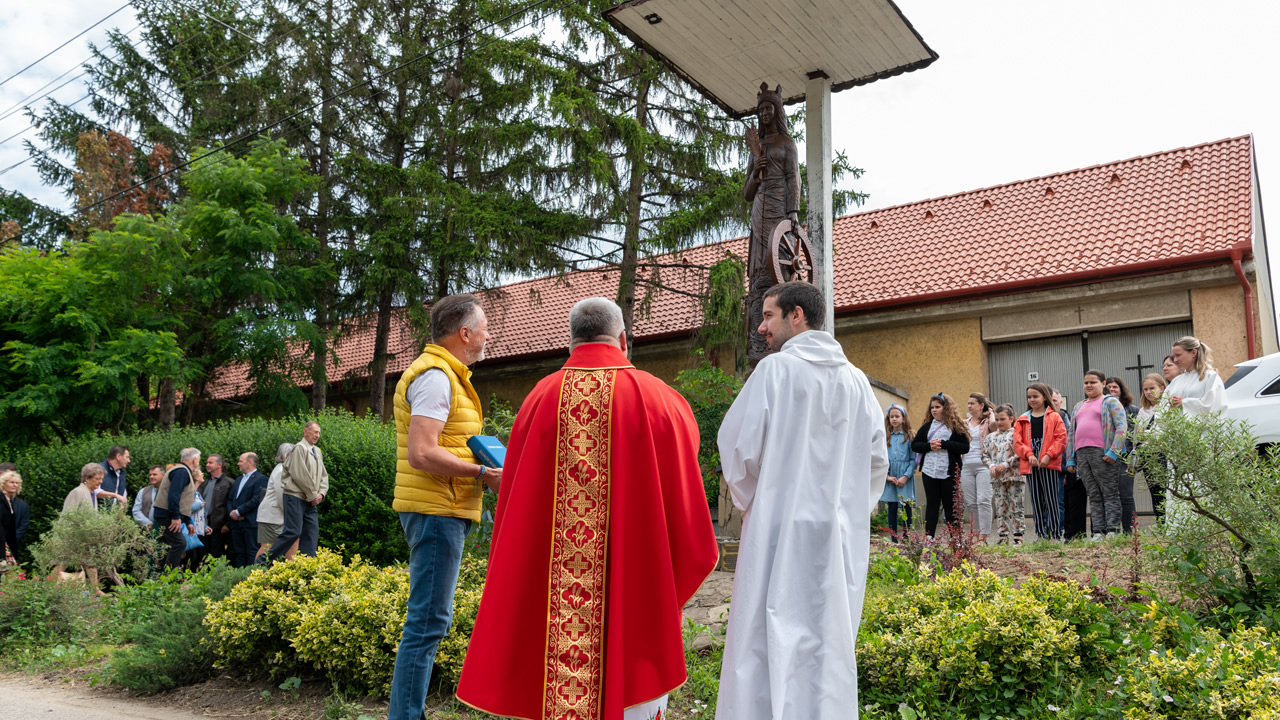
[1139, 367]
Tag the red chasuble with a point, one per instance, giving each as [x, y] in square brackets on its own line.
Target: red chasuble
[602, 535]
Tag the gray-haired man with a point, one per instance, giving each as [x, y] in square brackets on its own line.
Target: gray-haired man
[172, 506]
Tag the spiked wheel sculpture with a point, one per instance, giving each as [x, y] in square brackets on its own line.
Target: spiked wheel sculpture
[789, 251]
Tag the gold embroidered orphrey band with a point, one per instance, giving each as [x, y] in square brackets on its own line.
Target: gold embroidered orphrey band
[573, 670]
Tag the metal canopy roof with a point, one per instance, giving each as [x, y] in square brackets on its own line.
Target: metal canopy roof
[726, 48]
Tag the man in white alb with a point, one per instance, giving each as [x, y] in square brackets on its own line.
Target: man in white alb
[799, 448]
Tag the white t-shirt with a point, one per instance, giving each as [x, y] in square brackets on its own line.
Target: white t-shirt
[936, 462]
[429, 395]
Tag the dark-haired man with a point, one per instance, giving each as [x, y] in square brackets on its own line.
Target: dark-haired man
[439, 485]
[113, 477]
[800, 448]
[214, 489]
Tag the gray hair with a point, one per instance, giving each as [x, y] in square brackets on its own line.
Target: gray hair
[92, 470]
[594, 318]
[283, 451]
[188, 454]
[452, 313]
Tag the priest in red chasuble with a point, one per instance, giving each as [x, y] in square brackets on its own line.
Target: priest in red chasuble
[601, 537]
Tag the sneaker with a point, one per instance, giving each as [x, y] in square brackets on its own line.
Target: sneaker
[1097, 537]
[1112, 534]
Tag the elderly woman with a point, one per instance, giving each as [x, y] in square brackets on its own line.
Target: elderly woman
[14, 513]
[270, 513]
[82, 496]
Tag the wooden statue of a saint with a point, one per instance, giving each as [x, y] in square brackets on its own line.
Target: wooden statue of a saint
[773, 187]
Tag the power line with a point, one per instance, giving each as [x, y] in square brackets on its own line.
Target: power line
[279, 36]
[9, 111]
[68, 42]
[338, 95]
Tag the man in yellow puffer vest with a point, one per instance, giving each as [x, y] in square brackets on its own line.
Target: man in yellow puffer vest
[439, 486]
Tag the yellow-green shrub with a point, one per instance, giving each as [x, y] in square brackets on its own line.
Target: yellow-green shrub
[342, 620]
[1213, 677]
[352, 636]
[253, 627]
[972, 643]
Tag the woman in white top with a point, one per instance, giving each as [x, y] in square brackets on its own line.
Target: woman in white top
[270, 514]
[1198, 390]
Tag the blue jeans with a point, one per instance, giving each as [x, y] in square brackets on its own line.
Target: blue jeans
[435, 554]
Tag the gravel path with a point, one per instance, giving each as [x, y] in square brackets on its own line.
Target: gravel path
[27, 700]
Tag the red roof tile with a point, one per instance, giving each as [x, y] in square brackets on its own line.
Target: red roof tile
[1176, 208]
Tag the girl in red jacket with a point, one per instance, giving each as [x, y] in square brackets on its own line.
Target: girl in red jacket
[1039, 438]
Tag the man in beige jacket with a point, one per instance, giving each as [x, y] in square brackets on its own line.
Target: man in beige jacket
[305, 483]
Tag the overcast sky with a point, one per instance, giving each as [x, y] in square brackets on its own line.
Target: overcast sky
[1022, 88]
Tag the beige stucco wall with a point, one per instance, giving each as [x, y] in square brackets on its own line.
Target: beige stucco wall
[1217, 318]
[922, 359]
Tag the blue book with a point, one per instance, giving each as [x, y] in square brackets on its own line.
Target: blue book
[488, 450]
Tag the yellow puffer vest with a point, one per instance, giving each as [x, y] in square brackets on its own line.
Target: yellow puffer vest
[421, 492]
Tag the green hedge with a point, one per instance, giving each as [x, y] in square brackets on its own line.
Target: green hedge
[360, 455]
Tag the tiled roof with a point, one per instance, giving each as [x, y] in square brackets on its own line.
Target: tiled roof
[1168, 207]
[1171, 209]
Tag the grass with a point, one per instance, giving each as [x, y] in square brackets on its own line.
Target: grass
[36, 660]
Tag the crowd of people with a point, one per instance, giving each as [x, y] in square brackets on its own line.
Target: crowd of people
[1078, 466]
[196, 511]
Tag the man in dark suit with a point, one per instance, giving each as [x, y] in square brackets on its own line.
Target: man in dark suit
[242, 506]
[214, 490]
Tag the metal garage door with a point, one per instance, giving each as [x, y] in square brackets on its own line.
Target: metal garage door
[1056, 361]
[1120, 352]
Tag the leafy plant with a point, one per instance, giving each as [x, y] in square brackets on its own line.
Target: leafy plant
[170, 646]
[37, 612]
[710, 392]
[87, 538]
[973, 644]
[1210, 677]
[342, 619]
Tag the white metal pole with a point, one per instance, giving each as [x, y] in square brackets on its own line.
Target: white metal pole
[818, 169]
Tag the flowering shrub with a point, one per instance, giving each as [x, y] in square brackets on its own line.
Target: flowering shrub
[973, 644]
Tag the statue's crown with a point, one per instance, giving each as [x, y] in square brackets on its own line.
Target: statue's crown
[766, 94]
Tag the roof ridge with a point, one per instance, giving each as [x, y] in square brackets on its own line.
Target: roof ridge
[1248, 137]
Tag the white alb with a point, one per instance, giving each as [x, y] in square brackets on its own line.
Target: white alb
[800, 447]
